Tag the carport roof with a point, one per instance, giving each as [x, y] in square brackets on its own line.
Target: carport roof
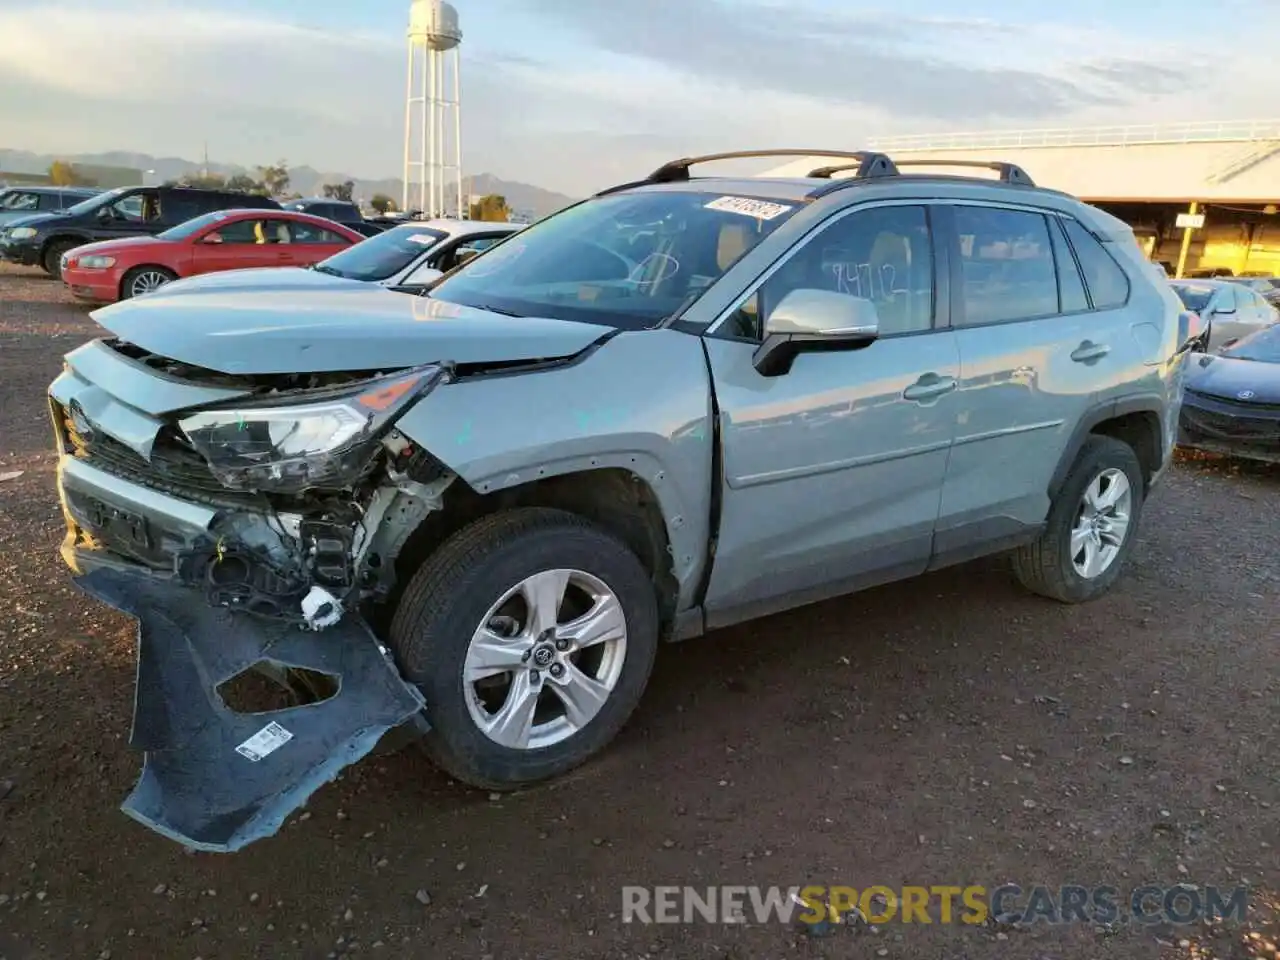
[1221, 162]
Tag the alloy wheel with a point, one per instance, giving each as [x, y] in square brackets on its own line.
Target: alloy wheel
[1102, 523]
[545, 659]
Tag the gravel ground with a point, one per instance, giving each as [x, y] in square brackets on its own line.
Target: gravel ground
[951, 730]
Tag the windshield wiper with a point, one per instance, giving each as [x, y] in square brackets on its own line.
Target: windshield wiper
[492, 309]
[321, 268]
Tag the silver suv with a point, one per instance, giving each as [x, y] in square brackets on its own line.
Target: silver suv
[683, 403]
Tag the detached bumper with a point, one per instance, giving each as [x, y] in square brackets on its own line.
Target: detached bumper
[217, 780]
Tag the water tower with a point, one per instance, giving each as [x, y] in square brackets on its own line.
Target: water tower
[433, 111]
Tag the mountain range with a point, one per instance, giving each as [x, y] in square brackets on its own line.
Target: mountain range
[306, 180]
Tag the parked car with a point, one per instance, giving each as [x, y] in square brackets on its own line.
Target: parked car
[1230, 311]
[1267, 287]
[406, 258]
[19, 202]
[42, 239]
[227, 240]
[340, 211]
[1231, 402]
[683, 403]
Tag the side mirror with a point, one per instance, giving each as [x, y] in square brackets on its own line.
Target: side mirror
[466, 254]
[807, 321]
[106, 214]
[1191, 331]
[1224, 311]
[214, 237]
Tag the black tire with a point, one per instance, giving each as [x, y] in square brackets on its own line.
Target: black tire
[126, 285]
[51, 260]
[1045, 567]
[447, 599]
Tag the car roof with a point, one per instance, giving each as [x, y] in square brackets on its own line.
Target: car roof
[46, 188]
[249, 213]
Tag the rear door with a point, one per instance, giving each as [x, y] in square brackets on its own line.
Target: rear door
[1036, 353]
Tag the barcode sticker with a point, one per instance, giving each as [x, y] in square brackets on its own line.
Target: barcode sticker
[265, 742]
[760, 209]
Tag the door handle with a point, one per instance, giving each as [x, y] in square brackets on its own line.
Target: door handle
[1089, 351]
[929, 386]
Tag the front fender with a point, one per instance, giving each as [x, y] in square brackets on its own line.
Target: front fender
[640, 402]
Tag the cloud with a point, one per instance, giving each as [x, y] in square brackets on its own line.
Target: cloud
[574, 94]
[889, 63]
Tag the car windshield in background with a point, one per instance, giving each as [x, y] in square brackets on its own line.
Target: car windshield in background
[626, 259]
[88, 206]
[383, 255]
[1263, 346]
[1193, 298]
[193, 226]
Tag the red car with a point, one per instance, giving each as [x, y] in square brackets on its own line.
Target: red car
[227, 240]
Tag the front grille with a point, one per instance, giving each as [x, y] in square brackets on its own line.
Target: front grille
[1244, 408]
[174, 468]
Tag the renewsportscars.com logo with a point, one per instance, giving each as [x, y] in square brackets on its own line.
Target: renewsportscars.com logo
[1180, 905]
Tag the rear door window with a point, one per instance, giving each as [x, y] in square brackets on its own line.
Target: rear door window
[1071, 289]
[1007, 264]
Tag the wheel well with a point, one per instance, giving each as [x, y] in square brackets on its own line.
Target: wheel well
[1141, 431]
[616, 499]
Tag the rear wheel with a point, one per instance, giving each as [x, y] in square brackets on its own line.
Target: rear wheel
[143, 280]
[531, 634]
[1090, 529]
[53, 254]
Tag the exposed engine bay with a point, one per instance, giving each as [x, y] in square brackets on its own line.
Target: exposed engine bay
[313, 490]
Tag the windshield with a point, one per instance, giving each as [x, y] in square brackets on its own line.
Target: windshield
[626, 259]
[383, 255]
[191, 227]
[93, 203]
[1194, 298]
[1263, 346]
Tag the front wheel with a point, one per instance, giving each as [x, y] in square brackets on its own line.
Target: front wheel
[51, 261]
[1090, 529]
[144, 280]
[532, 634]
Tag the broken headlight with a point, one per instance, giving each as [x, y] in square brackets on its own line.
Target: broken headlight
[324, 443]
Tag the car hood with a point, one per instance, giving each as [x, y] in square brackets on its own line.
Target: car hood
[1229, 377]
[108, 246]
[34, 220]
[356, 327]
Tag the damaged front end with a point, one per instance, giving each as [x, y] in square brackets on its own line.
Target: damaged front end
[234, 517]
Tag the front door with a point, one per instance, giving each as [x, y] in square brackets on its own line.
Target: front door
[238, 244]
[832, 473]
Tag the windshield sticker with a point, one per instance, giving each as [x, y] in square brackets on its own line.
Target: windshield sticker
[266, 741]
[423, 238]
[760, 209]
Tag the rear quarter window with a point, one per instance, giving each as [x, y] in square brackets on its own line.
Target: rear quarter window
[1107, 283]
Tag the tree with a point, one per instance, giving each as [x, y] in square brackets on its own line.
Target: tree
[275, 179]
[243, 183]
[492, 208]
[63, 174]
[383, 204]
[340, 191]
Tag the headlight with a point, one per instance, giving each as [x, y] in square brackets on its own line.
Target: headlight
[22, 233]
[92, 262]
[288, 449]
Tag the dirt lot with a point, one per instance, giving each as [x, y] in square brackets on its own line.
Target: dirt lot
[947, 731]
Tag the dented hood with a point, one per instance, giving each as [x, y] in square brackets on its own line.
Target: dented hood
[331, 328]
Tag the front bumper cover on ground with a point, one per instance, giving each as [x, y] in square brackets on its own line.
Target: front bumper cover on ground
[217, 780]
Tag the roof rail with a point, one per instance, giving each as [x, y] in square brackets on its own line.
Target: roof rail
[874, 164]
[1009, 172]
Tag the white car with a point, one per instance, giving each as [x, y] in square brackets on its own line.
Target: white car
[414, 254]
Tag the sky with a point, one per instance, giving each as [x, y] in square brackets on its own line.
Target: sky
[572, 95]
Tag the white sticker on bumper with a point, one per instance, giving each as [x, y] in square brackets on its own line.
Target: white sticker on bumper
[265, 742]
